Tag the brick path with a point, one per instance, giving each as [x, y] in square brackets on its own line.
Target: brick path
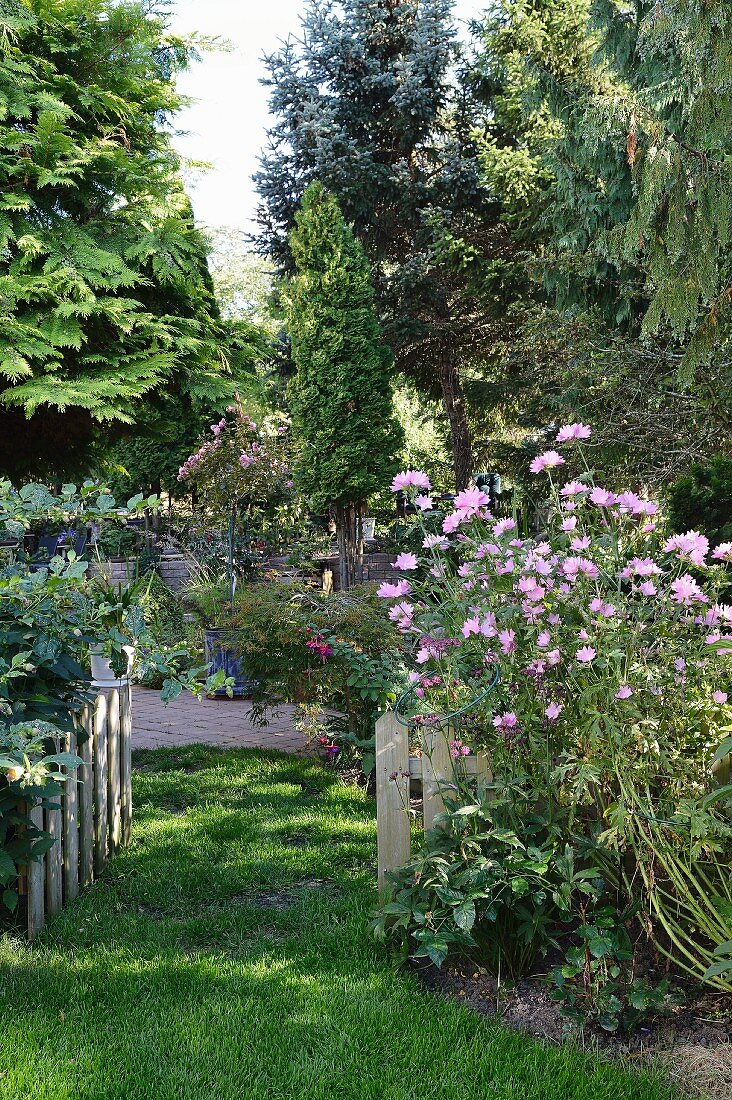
[223, 722]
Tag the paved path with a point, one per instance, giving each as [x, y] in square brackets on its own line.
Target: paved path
[223, 722]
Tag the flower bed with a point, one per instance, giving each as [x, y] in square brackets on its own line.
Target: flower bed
[608, 816]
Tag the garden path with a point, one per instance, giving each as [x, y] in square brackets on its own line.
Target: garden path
[226, 723]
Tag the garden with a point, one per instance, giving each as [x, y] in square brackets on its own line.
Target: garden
[432, 468]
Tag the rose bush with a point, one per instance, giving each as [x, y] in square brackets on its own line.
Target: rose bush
[614, 667]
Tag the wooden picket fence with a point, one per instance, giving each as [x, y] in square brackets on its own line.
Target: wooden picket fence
[395, 769]
[95, 815]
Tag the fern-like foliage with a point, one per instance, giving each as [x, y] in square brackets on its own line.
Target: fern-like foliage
[105, 294]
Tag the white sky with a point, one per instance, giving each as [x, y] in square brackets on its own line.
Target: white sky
[226, 124]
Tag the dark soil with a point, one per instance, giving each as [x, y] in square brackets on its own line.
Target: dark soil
[704, 1019]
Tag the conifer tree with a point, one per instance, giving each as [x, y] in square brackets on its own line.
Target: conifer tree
[104, 290]
[365, 101]
[341, 396]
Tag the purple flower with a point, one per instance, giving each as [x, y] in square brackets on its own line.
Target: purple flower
[624, 692]
[686, 591]
[406, 561]
[719, 697]
[424, 503]
[553, 711]
[470, 501]
[691, 547]
[586, 654]
[603, 498]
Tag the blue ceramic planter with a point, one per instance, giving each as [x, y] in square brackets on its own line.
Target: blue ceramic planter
[222, 659]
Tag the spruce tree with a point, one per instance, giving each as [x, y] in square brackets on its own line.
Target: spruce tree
[366, 102]
[105, 295]
[341, 396]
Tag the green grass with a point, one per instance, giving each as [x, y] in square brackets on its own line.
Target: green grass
[226, 955]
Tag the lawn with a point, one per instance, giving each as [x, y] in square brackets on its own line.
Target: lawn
[226, 954]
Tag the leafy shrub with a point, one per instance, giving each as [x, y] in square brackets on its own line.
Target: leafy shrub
[117, 541]
[336, 651]
[614, 659]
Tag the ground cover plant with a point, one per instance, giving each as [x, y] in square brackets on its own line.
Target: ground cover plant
[226, 953]
[592, 661]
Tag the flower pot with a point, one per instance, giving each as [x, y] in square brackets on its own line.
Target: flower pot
[222, 659]
[103, 675]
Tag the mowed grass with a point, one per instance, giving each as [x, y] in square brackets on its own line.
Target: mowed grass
[226, 955]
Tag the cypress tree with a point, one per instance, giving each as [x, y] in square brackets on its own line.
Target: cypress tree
[341, 396]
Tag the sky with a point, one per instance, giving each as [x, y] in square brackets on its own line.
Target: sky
[225, 125]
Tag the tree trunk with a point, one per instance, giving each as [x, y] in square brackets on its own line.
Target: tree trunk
[350, 543]
[452, 396]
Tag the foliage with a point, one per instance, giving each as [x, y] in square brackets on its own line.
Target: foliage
[703, 499]
[593, 984]
[487, 882]
[32, 775]
[341, 396]
[613, 655]
[116, 540]
[365, 102]
[106, 294]
[334, 652]
[50, 618]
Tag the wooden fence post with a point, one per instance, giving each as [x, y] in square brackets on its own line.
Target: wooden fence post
[54, 856]
[71, 829]
[36, 883]
[126, 760]
[438, 770]
[392, 796]
[99, 753]
[113, 770]
[86, 800]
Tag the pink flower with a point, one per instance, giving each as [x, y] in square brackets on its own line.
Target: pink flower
[603, 498]
[573, 566]
[691, 547]
[686, 591]
[544, 639]
[546, 461]
[553, 657]
[470, 501]
[410, 479]
[580, 544]
[586, 654]
[553, 711]
[647, 588]
[719, 697]
[573, 489]
[507, 640]
[569, 432]
[389, 591]
[569, 524]
[402, 614]
[679, 664]
[503, 526]
[640, 567]
[624, 692]
[505, 721]
[424, 503]
[452, 521]
[406, 561]
[435, 542]
[471, 626]
[723, 552]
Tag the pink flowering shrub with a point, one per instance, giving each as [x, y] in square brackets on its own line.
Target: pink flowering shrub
[614, 660]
